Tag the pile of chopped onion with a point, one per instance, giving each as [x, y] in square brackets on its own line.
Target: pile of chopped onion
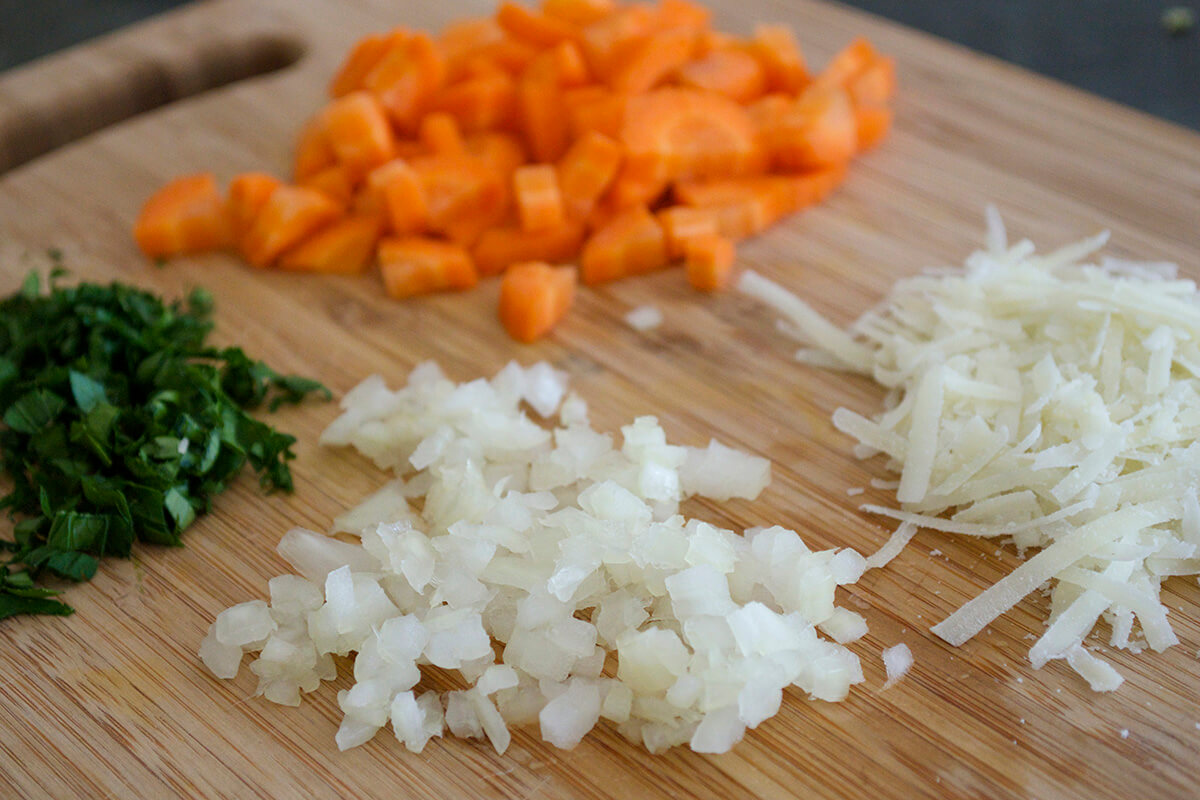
[525, 559]
[1046, 401]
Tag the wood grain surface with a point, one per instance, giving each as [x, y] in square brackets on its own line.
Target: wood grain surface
[113, 702]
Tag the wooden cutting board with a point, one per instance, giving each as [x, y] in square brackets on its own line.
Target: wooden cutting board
[113, 702]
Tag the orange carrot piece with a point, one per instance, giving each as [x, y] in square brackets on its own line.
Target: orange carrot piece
[344, 247]
[458, 190]
[334, 182]
[810, 188]
[534, 297]
[480, 103]
[501, 152]
[569, 65]
[595, 109]
[653, 59]
[358, 131]
[405, 78]
[415, 265]
[633, 188]
[187, 215]
[546, 127]
[743, 206]
[709, 262]
[290, 214]
[363, 57]
[849, 62]
[681, 224]
[874, 85]
[313, 150]
[818, 130]
[631, 243]
[461, 41]
[400, 197]
[539, 199]
[586, 171]
[509, 55]
[247, 195]
[533, 26]
[733, 73]
[783, 63]
[578, 12]
[440, 134]
[684, 133]
[608, 41]
[872, 124]
[500, 247]
[682, 14]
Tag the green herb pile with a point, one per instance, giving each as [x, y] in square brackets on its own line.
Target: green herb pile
[120, 424]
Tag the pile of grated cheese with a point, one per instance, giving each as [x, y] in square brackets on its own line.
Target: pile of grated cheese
[550, 569]
[1049, 401]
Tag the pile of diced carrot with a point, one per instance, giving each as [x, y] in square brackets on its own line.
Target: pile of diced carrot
[619, 137]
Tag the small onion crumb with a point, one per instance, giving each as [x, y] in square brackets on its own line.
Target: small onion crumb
[644, 318]
[896, 661]
[550, 568]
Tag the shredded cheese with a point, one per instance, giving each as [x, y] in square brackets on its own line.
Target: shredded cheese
[1050, 400]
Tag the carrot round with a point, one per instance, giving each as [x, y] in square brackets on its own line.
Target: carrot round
[534, 297]
[188, 215]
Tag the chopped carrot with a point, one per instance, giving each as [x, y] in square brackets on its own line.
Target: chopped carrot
[569, 65]
[810, 188]
[743, 206]
[539, 199]
[363, 58]
[462, 40]
[682, 14]
[290, 214]
[733, 73]
[607, 41]
[595, 109]
[776, 49]
[534, 297]
[188, 215]
[586, 170]
[440, 134]
[578, 12]
[501, 152]
[849, 62]
[313, 151]
[872, 124]
[630, 244]
[334, 182]
[818, 130]
[458, 190]
[500, 247]
[405, 78]
[546, 127]
[400, 196]
[532, 26]
[686, 133]
[709, 262]
[346, 246]
[509, 55]
[416, 265]
[247, 195]
[681, 224]
[653, 59]
[634, 188]
[481, 103]
[358, 131]
[874, 85]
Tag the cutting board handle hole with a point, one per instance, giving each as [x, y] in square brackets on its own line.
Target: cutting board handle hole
[146, 82]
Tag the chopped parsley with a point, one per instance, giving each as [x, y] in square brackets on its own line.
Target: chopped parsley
[118, 423]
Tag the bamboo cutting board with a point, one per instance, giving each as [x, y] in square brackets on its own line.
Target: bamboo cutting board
[113, 702]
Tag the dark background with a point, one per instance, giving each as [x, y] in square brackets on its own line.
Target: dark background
[1119, 49]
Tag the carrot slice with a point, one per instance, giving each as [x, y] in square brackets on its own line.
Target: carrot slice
[818, 130]
[247, 195]
[539, 199]
[500, 247]
[440, 134]
[709, 262]
[578, 12]
[400, 197]
[733, 73]
[416, 265]
[363, 58]
[532, 26]
[344, 247]
[783, 63]
[586, 170]
[358, 131]
[479, 103]
[334, 182]
[685, 133]
[630, 244]
[653, 59]
[681, 224]
[872, 124]
[313, 150]
[534, 297]
[290, 214]
[187, 215]
[875, 85]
